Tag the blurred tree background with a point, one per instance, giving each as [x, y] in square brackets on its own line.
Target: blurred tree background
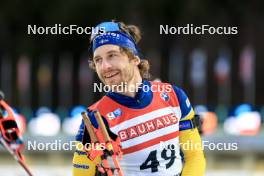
[218, 71]
[16, 15]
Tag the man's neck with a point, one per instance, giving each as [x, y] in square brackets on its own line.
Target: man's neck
[132, 87]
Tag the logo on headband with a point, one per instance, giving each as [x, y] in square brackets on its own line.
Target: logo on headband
[106, 37]
[102, 41]
[115, 38]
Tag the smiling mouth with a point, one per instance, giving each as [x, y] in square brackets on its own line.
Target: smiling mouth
[111, 75]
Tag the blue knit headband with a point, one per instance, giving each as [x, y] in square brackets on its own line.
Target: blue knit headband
[113, 35]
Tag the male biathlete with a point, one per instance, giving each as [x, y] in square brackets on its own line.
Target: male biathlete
[153, 121]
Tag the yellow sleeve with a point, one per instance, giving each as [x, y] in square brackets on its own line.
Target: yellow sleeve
[191, 146]
[82, 166]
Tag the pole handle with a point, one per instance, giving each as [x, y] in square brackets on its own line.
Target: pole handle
[89, 127]
[101, 124]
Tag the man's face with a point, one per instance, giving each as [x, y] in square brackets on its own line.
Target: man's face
[113, 66]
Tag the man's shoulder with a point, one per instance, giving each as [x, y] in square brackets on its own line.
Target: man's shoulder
[159, 82]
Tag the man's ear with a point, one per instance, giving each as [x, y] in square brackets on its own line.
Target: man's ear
[136, 60]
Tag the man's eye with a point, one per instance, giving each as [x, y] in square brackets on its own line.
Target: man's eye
[97, 60]
[112, 55]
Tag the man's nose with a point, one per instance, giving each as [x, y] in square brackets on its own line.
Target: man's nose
[106, 65]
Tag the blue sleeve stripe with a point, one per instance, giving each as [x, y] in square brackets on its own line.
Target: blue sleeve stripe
[183, 101]
[79, 135]
[186, 124]
[188, 116]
